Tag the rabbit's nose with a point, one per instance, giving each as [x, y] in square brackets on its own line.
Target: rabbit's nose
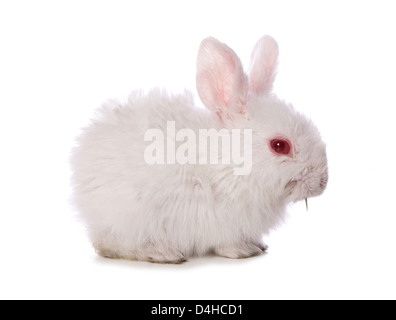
[323, 182]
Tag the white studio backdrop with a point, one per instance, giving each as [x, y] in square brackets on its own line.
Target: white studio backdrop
[60, 60]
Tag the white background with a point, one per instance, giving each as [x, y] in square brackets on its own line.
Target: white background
[59, 60]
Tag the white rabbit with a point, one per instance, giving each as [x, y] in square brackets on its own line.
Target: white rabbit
[166, 213]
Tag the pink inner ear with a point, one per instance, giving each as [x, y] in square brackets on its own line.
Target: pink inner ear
[225, 78]
[221, 81]
[261, 81]
[264, 61]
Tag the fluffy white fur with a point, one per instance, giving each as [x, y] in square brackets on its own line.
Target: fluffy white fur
[167, 213]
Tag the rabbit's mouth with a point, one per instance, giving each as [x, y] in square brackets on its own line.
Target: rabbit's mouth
[310, 184]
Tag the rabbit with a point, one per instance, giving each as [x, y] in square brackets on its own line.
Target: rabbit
[167, 213]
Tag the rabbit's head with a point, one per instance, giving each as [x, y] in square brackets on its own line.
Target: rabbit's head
[289, 156]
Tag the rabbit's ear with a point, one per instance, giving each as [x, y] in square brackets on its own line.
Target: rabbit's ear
[263, 64]
[221, 83]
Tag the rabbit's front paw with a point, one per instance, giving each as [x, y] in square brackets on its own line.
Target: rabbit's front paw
[160, 255]
[246, 250]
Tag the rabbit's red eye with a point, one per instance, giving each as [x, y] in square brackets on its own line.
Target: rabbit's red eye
[280, 146]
